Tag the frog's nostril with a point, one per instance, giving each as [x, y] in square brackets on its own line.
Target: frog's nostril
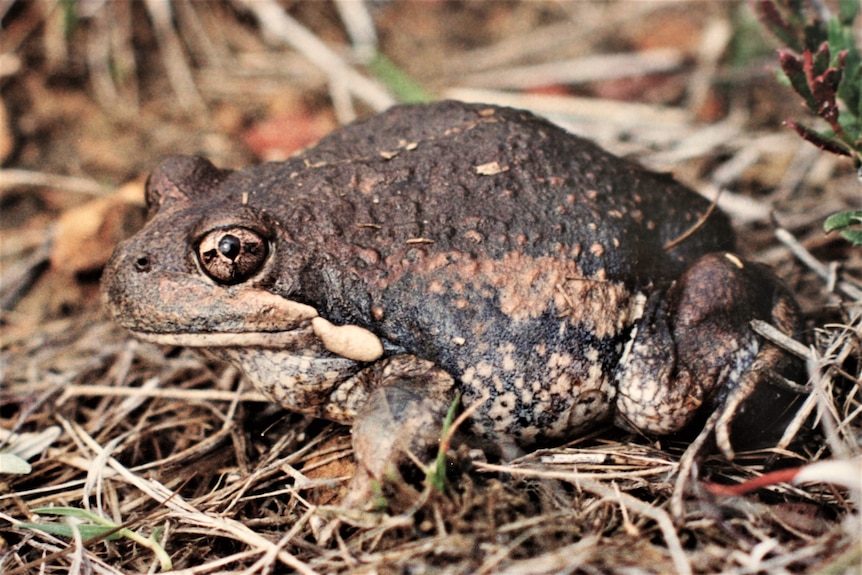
[143, 264]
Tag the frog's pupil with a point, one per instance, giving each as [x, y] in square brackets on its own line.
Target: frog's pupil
[229, 246]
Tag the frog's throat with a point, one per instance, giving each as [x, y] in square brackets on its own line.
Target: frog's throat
[348, 341]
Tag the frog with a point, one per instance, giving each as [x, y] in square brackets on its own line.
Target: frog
[460, 255]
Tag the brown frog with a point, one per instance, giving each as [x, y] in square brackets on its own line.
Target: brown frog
[444, 248]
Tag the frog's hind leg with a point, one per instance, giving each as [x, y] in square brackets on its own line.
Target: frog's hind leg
[714, 303]
[712, 307]
[695, 345]
[695, 356]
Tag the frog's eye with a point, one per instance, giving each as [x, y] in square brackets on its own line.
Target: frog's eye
[232, 255]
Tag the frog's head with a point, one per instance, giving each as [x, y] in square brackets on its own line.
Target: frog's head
[211, 270]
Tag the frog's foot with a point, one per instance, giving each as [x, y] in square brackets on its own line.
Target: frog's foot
[399, 424]
[717, 425]
[695, 346]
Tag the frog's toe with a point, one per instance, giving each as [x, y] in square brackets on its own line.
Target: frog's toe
[361, 492]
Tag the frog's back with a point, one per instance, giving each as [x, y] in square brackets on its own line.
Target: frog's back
[492, 181]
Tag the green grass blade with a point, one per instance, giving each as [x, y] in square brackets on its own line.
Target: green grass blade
[401, 84]
[62, 530]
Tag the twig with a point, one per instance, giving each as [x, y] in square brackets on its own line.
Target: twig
[99, 59]
[580, 70]
[10, 178]
[702, 141]
[623, 113]
[743, 209]
[575, 476]
[491, 563]
[279, 26]
[360, 27]
[176, 66]
[180, 394]
[804, 256]
[781, 339]
[713, 46]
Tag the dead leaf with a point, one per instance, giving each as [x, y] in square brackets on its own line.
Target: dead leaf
[491, 169]
[86, 235]
[278, 137]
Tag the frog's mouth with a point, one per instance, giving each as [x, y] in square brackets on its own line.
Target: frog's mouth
[201, 316]
[172, 308]
[348, 341]
[274, 340]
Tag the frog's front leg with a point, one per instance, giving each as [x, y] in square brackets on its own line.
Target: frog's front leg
[399, 421]
[694, 345]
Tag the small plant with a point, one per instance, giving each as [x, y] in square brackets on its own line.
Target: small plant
[436, 474]
[823, 65]
[94, 526]
[849, 223]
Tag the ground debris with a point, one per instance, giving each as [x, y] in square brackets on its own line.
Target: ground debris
[174, 447]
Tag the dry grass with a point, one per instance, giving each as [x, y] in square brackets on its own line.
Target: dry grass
[161, 442]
